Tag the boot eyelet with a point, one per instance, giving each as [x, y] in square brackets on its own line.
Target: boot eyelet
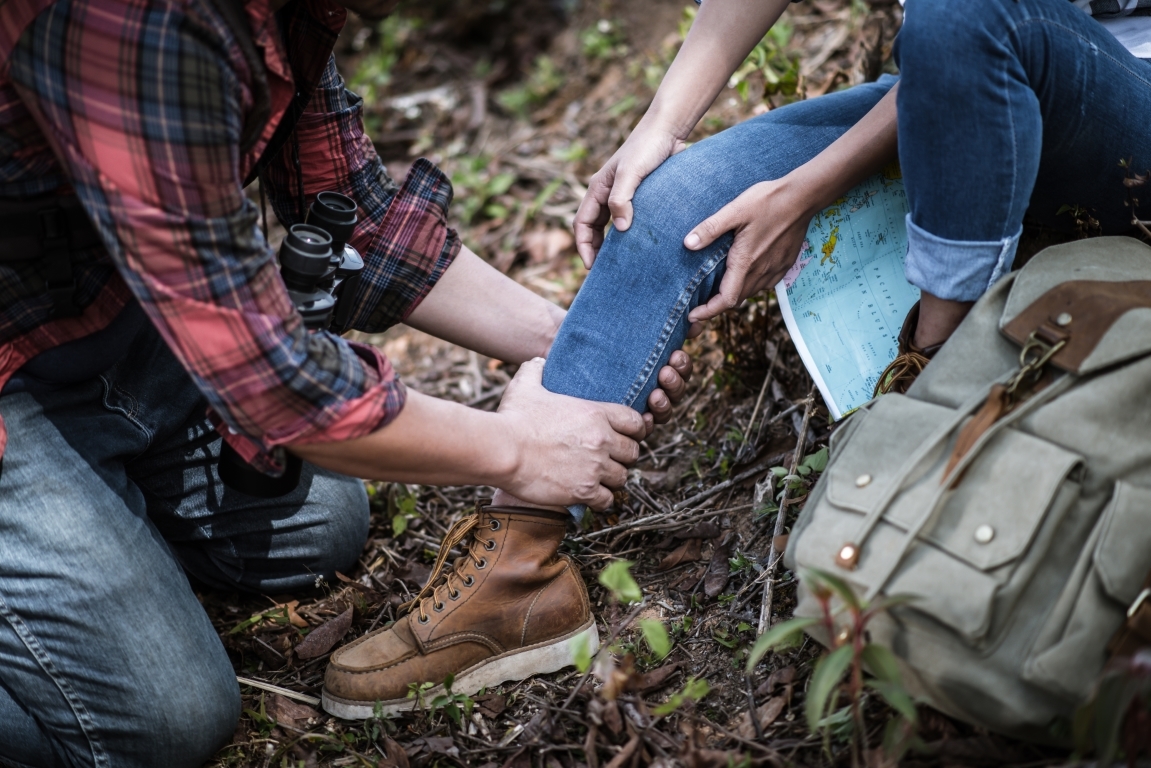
[423, 619]
[495, 525]
[469, 581]
[490, 545]
[454, 595]
[438, 607]
[483, 563]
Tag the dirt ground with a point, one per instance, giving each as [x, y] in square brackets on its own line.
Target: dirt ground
[521, 102]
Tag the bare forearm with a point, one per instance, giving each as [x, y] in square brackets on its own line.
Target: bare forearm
[431, 441]
[863, 150]
[482, 309]
[723, 34]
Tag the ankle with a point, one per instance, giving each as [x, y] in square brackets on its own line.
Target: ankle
[938, 319]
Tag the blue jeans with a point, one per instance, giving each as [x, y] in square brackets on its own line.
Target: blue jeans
[108, 495]
[1006, 108]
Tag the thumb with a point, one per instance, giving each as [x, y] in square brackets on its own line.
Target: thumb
[619, 201]
[530, 374]
[706, 232]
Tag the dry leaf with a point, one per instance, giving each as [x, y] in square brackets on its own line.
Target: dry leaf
[546, 244]
[718, 569]
[296, 619]
[766, 713]
[491, 705]
[687, 552]
[656, 679]
[287, 712]
[780, 542]
[324, 637]
[395, 756]
[784, 676]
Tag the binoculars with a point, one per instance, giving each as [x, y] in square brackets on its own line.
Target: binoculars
[319, 268]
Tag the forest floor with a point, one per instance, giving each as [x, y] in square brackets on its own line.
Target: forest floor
[521, 102]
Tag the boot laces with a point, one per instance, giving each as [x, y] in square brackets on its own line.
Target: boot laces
[461, 530]
[901, 372]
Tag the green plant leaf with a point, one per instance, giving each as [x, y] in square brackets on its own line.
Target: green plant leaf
[780, 635]
[824, 683]
[816, 462]
[399, 524]
[616, 576]
[881, 663]
[656, 636]
[897, 698]
[581, 653]
[693, 690]
[835, 584]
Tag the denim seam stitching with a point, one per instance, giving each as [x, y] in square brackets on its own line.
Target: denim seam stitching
[130, 415]
[1016, 25]
[83, 717]
[665, 333]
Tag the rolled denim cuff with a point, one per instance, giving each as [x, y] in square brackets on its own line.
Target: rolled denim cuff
[958, 270]
[577, 511]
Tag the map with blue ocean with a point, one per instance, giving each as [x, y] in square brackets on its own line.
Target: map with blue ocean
[845, 298]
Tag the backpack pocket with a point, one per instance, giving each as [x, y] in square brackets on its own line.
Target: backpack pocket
[975, 546]
[1070, 650]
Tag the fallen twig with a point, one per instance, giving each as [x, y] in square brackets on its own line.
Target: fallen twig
[301, 697]
[705, 495]
[773, 557]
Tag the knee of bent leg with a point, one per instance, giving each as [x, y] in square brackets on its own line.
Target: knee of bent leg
[345, 521]
[186, 715]
[938, 36]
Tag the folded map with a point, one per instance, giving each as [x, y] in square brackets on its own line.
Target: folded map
[845, 298]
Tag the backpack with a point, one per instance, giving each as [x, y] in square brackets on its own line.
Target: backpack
[1008, 492]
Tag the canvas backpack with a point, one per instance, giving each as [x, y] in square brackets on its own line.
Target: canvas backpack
[1019, 519]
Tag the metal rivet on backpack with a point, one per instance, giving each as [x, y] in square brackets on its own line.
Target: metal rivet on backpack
[847, 556]
[862, 480]
[984, 534]
[1063, 319]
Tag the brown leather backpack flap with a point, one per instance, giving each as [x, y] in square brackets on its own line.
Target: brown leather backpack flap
[1102, 322]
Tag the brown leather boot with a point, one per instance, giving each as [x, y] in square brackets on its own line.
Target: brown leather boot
[902, 372]
[511, 607]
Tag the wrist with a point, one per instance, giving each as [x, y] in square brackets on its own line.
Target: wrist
[808, 189]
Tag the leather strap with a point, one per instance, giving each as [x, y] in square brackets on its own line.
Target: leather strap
[1078, 312]
[1135, 633]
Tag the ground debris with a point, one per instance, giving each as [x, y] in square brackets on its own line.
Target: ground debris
[520, 103]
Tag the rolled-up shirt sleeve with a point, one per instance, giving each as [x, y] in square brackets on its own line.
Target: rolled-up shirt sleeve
[145, 111]
[402, 232]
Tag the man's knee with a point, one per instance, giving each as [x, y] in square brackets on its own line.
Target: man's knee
[176, 714]
[343, 505]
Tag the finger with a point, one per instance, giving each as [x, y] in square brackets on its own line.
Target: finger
[614, 476]
[531, 373]
[648, 424]
[659, 406]
[619, 201]
[729, 291]
[671, 383]
[601, 500]
[695, 329]
[681, 362]
[624, 420]
[724, 220]
[624, 449]
[590, 219]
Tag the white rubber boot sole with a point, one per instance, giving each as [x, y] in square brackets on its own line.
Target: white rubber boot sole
[513, 665]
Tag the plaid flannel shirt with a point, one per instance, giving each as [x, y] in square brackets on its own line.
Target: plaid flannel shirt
[139, 105]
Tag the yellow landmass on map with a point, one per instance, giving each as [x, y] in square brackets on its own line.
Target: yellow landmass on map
[829, 247]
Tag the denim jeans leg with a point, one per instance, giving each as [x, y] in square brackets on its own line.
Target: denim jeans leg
[109, 487]
[106, 657]
[1007, 109]
[631, 312]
